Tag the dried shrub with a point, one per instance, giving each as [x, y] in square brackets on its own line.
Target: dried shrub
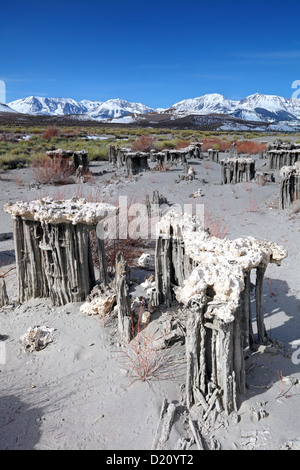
[216, 225]
[234, 191]
[52, 171]
[51, 131]
[18, 180]
[253, 205]
[70, 133]
[296, 207]
[261, 180]
[88, 177]
[182, 144]
[163, 167]
[247, 187]
[132, 248]
[207, 165]
[215, 143]
[142, 359]
[144, 143]
[250, 147]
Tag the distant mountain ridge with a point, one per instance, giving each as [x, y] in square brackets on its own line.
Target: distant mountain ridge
[257, 107]
[98, 110]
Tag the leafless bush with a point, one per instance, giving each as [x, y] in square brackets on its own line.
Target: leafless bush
[261, 180]
[216, 225]
[250, 147]
[234, 192]
[296, 207]
[144, 143]
[54, 170]
[207, 165]
[253, 205]
[142, 358]
[247, 187]
[51, 131]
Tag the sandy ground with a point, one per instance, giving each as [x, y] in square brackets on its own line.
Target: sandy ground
[75, 393]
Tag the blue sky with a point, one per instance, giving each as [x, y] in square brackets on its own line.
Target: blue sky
[154, 52]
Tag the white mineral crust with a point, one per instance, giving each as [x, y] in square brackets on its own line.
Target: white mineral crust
[73, 211]
[287, 171]
[222, 262]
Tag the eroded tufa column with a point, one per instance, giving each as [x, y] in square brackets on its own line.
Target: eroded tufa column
[53, 248]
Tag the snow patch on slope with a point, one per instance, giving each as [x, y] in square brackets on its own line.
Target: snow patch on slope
[4, 108]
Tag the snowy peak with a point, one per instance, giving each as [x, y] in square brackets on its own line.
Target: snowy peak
[117, 108]
[271, 102]
[47, 106]
[267, 107]
[206, 104]
[256, 107]
[66, 106]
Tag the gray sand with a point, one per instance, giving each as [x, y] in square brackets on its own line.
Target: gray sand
[75, 394]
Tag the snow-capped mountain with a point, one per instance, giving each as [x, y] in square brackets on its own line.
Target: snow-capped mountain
[206, 104]
[47, 106]
[268, 108]
[6, 109]
[257, 107]
[65, 106]
[90, 106]
[117, 108]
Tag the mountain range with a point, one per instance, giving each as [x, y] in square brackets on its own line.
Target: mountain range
[255, 108]
[97, 110]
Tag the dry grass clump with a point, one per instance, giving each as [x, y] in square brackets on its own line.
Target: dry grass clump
[144, 143]
[250, 147]
[242, 147]
[51, 131]
[215, 143]
[296, 207]
[216, 225]
[142, 360]
[131, 247]
[182, 144]
[52, 171]
[253, 206]
[207, 165]
[261, 180]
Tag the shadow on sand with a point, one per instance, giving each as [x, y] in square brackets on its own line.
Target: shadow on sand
[19, 424]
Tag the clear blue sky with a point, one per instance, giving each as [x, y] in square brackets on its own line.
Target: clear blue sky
[156, 52]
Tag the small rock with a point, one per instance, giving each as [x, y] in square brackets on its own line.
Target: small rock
[290, 381]
[262, 349]
[293, 444]
[235, 417]
[37, 338]
[257, 415]
[146, 261]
